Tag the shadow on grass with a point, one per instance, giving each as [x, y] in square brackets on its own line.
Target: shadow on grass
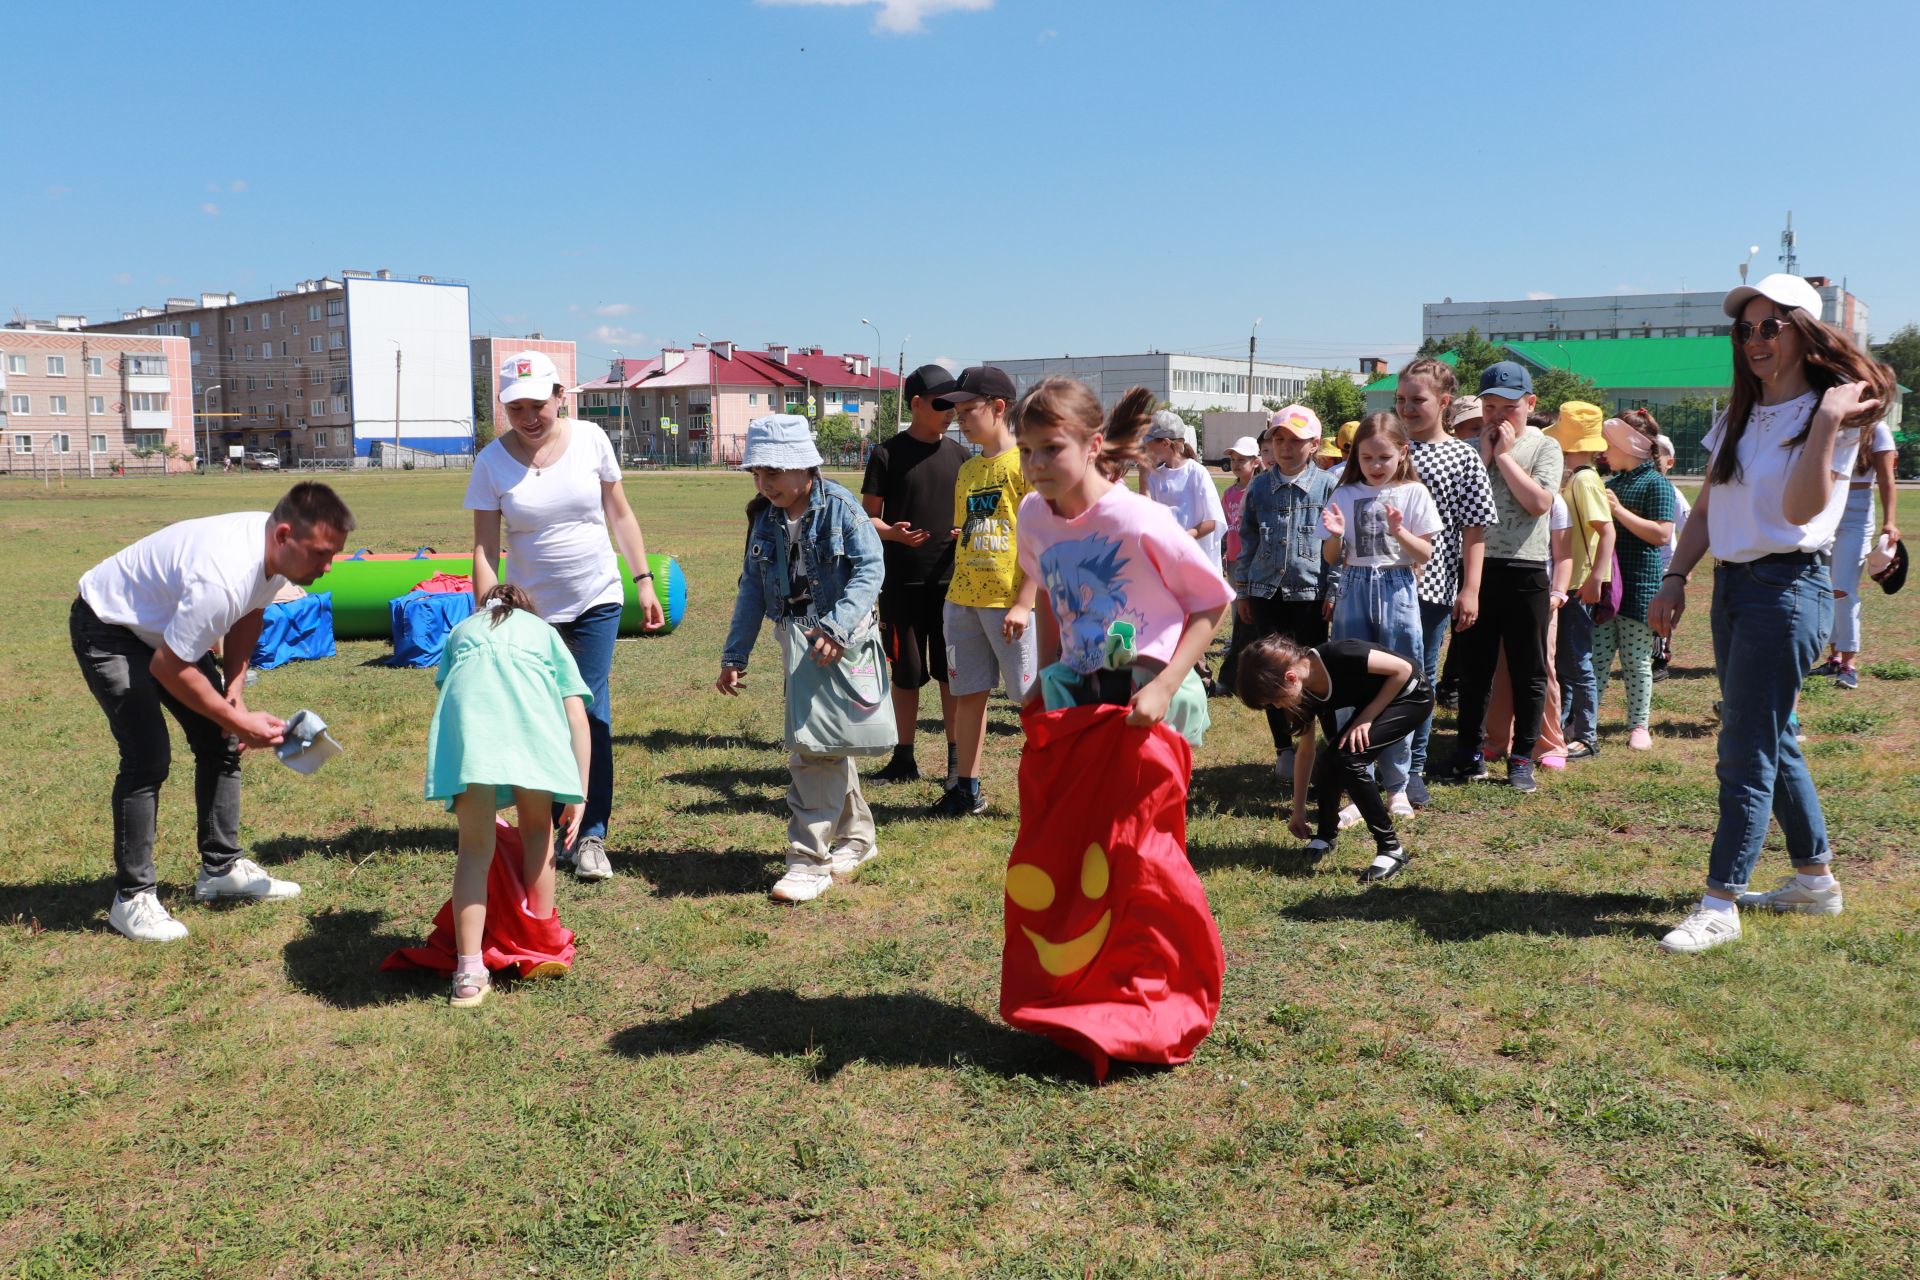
[680, 739]
[700, 873]
[1283, 855]
[1680, 729]
[354, 843]
[737, 790]
[68, 906]
[1462, 915]
[906, 1029]
[337, 960]
[1246, 790]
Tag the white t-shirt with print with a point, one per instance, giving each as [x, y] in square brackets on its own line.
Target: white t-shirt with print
[185, 586]
[1187, 489]
[1745, 519]
[1368, 545]
[556, 529]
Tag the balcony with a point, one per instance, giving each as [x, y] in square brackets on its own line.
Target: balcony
[148, 382]
[150, 420]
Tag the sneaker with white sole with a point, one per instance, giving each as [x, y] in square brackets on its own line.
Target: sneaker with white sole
[1703, 929]
[1350, 817]
[590, 859]
[244, 879]
[143, 919]
[1791, 895]
[1400, 805]
[803, 882]
[847, 861]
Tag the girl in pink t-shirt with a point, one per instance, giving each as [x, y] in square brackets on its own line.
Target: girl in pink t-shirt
[1132, 600]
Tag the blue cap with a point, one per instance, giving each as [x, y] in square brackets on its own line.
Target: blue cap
[1506, 379]
[783, 441]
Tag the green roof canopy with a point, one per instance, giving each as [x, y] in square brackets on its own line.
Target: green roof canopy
[1636, 362]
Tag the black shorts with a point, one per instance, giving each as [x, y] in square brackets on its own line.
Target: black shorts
[910, 625]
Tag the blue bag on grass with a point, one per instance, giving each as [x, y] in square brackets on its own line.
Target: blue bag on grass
[295, 630]
[421, 621]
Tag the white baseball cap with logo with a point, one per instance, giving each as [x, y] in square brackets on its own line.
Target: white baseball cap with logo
[527, 375]
[1786, 290]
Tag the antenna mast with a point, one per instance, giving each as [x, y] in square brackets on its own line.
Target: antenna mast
[1789, 242]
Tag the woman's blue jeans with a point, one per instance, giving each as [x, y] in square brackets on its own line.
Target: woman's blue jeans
[1770, 622]
[1381, 606]
[589, 638]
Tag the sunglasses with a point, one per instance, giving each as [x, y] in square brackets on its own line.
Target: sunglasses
[1768, 329]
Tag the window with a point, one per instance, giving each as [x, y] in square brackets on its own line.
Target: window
[99, 443]
[283, 348]
[23, 444]
[316, 407]
[138, 366]
[269, 382]
[96, 368]
[229, 324]
[339, 404]
[753, 397]
[57, 405]
[60, 442]
[315, 344]
[336, 307]
[313, 313]
[246, 324]
[315, 374]
[320, 439]
[266, 321]
[193, 328]
[96, 404]
[16, 364]
[147, 401]
[21, 404]
[252, 384]
[154, 440]
[336, 340]
[249, 351]
[56, 366]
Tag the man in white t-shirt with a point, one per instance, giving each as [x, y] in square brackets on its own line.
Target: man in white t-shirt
[145, 627]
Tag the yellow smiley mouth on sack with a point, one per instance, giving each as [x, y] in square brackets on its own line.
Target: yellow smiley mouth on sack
[1033, 890]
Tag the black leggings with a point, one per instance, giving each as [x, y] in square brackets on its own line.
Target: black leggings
[1350, 771]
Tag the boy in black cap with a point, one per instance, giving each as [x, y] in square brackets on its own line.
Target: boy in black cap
[908, 492]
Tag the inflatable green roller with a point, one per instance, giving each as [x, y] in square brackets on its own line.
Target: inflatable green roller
[363, 584]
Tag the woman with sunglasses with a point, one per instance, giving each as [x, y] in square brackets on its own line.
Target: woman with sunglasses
[1768, 509]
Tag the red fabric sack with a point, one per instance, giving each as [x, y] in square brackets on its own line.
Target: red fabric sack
[1110, 949]
[445, 583]
[512, 938]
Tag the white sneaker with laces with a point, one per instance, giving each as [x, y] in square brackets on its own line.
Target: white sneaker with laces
[848, 860]
[1791, 895]
[143, 919]
[1703, 929]
[803, 882]
[244, 879]
[1399, 806]
[1350, 817]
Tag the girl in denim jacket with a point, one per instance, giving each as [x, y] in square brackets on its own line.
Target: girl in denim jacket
[812, 554]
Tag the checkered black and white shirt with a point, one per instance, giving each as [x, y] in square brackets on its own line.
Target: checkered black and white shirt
[1452, 471]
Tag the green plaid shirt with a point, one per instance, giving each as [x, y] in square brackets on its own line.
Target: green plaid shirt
[1646, 493]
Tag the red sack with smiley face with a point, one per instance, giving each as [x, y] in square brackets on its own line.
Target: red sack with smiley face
[1110, 949]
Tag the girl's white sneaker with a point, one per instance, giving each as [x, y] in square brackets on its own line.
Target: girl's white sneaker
[803, 882]
[1703, 929]
[143, 919]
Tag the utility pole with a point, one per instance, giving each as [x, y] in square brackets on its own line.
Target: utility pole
[86, 420]
[1253, 340]
[396, 403]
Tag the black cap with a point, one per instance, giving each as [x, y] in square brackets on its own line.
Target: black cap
[929, 380]
[1894, 576]
[981, 382]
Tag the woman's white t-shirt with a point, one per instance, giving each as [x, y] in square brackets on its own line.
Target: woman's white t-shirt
[1745, 519]
[1368, 545]
[556, 528]
[1187, 489]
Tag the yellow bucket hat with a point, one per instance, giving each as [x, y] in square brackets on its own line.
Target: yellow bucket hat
[1578, 428]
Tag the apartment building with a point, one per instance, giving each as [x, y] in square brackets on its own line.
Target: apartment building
[1181, 379]
[327, 372]
[90, 403]
[489, 353]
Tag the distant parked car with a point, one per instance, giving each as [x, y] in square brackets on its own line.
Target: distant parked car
[263, 461]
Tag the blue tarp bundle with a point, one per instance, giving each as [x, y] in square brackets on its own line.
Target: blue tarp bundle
[421, 621]
[295, 630]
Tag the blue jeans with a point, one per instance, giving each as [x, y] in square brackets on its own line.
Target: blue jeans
[1381, 606]
[1435, 621]
[1850, 547]
[589, 639]
[1770, 622]
[1573, 665]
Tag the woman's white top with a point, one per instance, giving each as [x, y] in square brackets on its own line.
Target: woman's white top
[556, 526]
[1744, 519]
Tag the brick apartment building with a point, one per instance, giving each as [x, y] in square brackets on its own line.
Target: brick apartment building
[86, 403]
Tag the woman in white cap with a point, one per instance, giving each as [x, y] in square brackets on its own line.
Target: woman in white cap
[1768, 510]
[814, 563]
[553, 484]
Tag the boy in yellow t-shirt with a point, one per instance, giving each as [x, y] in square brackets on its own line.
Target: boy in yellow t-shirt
[986, 578]
[1578, 433]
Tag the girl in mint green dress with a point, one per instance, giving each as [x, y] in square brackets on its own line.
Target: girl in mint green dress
[510, 728]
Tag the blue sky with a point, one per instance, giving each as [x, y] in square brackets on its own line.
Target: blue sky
[1086, 176]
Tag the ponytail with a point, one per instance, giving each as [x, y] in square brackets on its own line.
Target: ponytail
[1125, 429]
[1071, 405]
[503, 600]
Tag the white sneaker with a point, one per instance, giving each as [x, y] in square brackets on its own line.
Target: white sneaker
[803, 882]
[245, 879]
[1399, 806]
[1789, 895]
[1350, 817]
[143, 919]
[1703, 929]
[847, 861]
[1283, 766]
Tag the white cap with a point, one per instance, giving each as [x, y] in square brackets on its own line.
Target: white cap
[527, 375]
[1787, 290]
[1245, 447]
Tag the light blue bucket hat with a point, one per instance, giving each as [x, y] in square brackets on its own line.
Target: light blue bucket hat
[783, 441]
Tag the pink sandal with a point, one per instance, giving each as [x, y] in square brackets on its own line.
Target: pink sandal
[470, 987]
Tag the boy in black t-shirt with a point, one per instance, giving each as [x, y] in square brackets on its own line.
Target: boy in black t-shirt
[1386, 697]
[908, 492]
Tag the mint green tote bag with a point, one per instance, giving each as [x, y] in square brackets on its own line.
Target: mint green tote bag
[842, 710]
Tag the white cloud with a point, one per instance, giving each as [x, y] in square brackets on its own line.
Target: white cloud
[211, 209]
[237, 185]
[1535, 295]
[630, 341]
[614, 309]
[123, 277]
[1048, 34]
[900, 17]
[953, 364]
[57, 190]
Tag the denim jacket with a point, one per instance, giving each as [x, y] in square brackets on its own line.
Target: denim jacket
[1280, 538]
[846, 576]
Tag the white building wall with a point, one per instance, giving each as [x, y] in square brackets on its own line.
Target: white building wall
[1184, 381]
[428, 323]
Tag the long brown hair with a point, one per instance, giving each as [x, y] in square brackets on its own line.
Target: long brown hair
[1070, 404]
[1260, 677]
[503, 600]
[1390, 426]
[1831, 360]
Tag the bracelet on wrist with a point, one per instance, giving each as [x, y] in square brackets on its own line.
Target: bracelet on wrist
[642, 577]
[1684, 578]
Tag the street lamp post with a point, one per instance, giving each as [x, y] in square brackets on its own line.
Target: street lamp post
[878, 348]
[1252, 340]
[1751, 251]
[396, 401]
[206, 416]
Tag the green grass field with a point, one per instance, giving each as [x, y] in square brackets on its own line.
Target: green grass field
[1485, 1068]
